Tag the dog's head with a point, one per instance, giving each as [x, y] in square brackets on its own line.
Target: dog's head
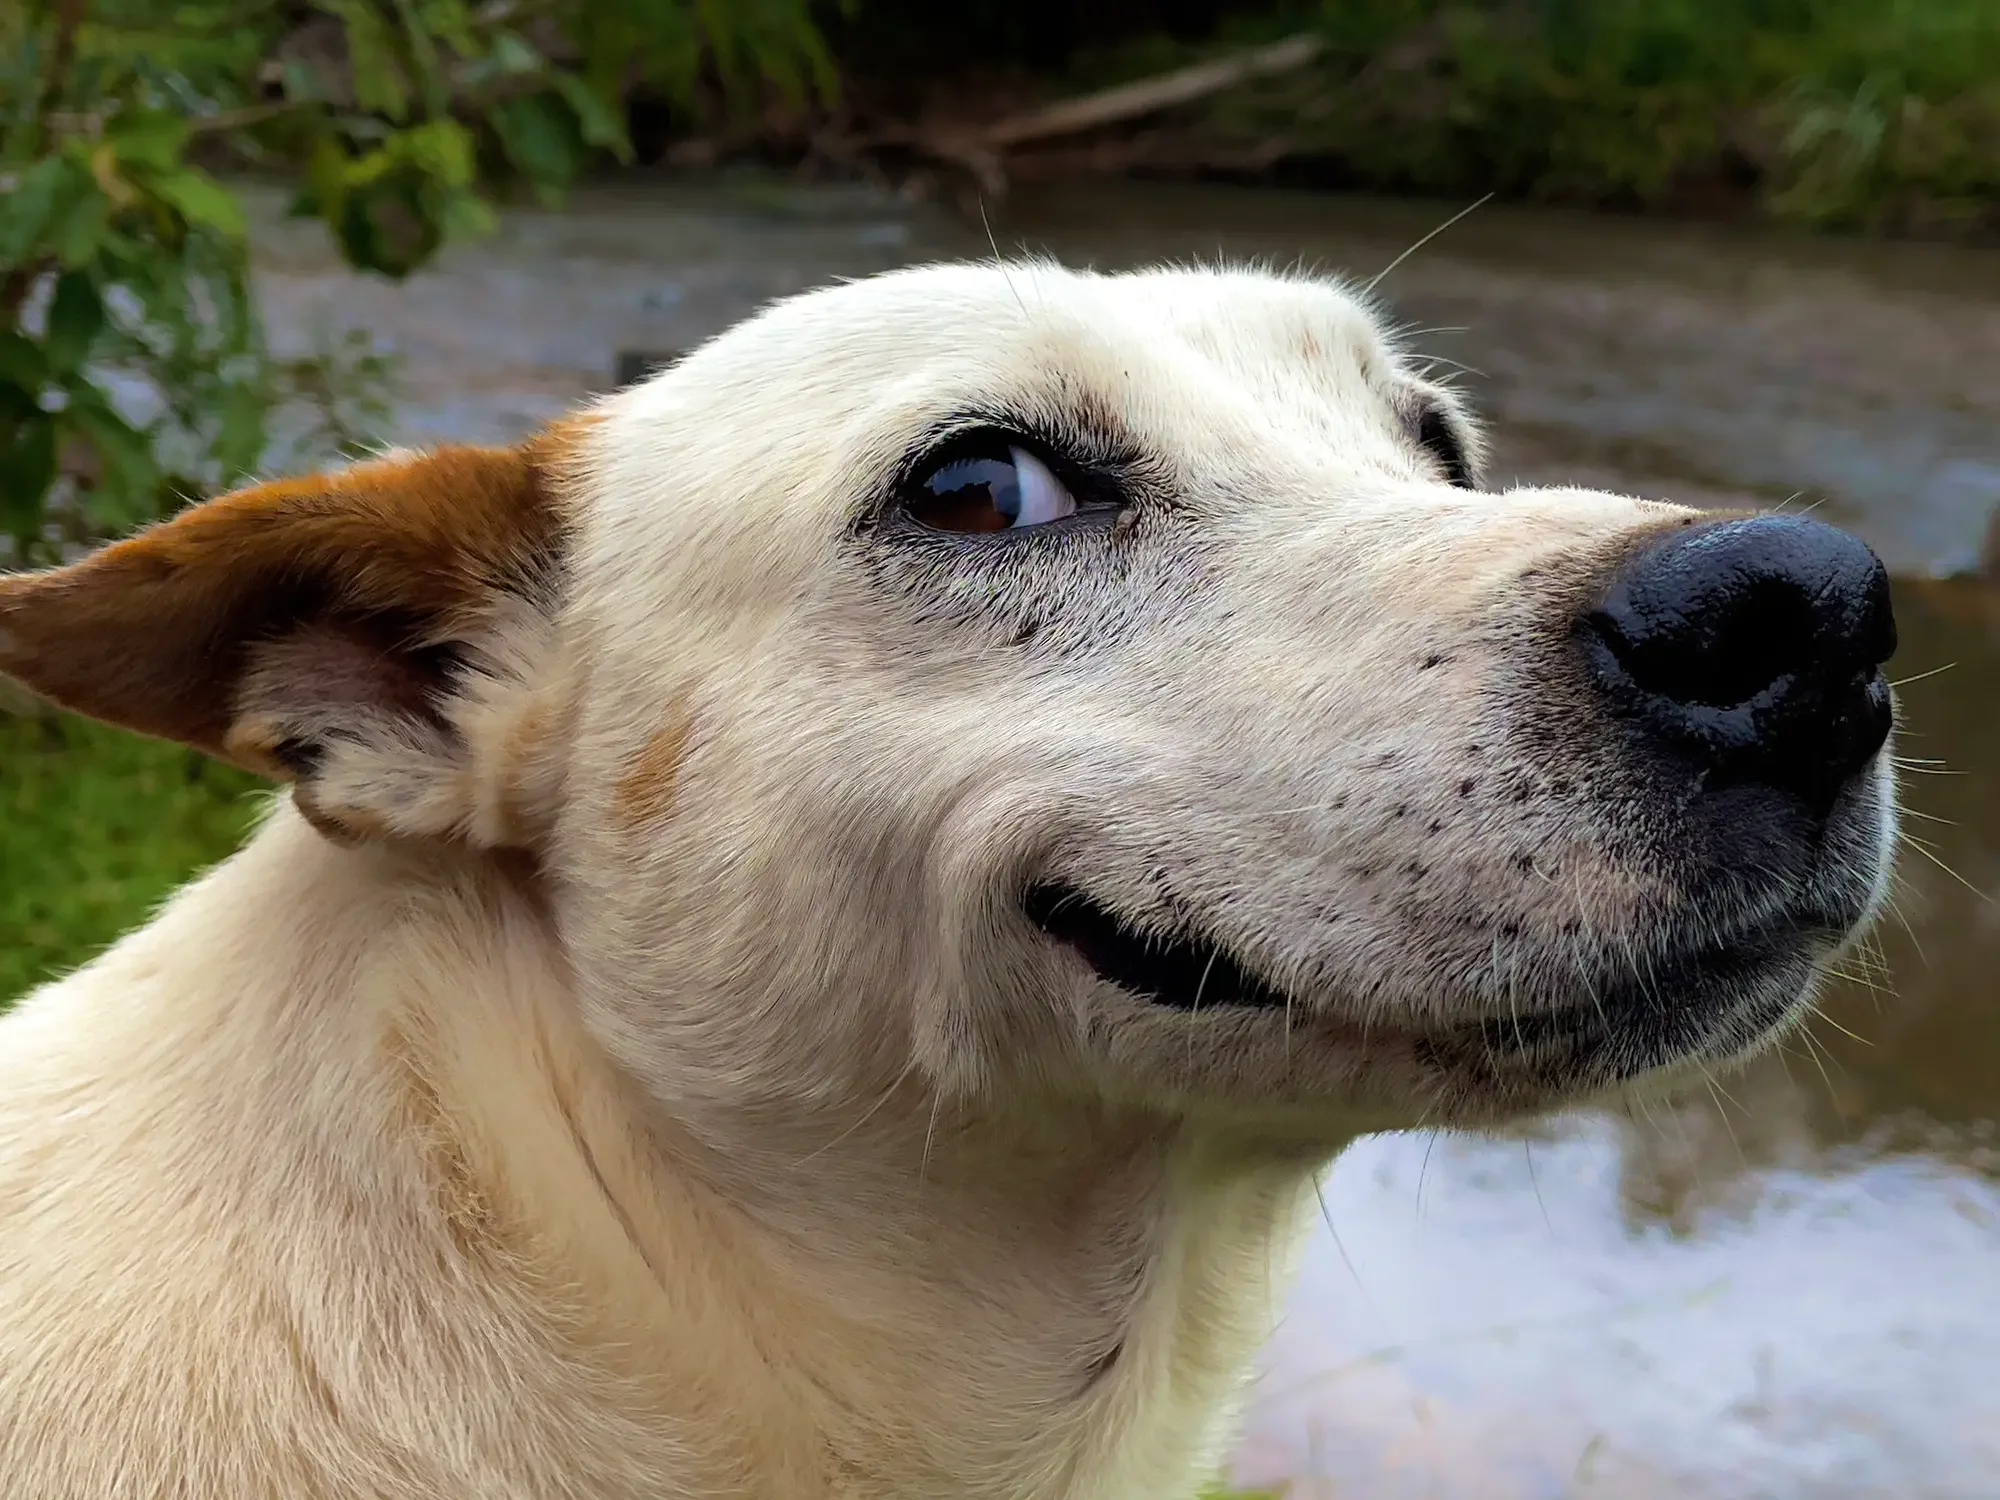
[1040, 681]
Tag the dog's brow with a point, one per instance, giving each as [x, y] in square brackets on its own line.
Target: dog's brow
[1082, 434]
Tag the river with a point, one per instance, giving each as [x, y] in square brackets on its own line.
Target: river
[1789, 1288]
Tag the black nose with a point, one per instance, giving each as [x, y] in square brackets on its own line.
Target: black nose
[1756, 648]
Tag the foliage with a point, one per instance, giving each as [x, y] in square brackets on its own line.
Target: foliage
[133, 371]
[1857, 114]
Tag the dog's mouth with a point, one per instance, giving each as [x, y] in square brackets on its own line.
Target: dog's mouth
[1181, 973]
[1709, 998]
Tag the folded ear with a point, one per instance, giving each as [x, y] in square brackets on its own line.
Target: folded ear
[379, 636]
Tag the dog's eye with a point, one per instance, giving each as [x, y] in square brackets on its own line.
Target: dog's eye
[1002, 491]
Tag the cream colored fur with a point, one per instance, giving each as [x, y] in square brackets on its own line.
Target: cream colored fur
[652, 1087]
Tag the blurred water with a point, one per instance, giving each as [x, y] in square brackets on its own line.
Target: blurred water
[1792, 1290]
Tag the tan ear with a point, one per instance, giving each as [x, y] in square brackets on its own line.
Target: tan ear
[339, 631]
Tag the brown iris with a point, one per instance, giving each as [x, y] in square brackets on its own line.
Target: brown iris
[1002, 490]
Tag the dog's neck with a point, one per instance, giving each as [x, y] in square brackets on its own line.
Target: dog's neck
[1056, 1301]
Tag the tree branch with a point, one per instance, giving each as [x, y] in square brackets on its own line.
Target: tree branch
[982, 151]
[1146, 96]
[62, 54]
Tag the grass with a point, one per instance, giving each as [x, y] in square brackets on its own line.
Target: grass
[96, 827]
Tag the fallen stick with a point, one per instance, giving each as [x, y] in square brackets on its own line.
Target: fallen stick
[1145, 96]
[981, 151]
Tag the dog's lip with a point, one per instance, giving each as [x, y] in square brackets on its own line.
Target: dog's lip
[1684, 1004]
[1180, 973]
[1670, 1009]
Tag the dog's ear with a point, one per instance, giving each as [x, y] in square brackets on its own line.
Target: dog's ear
[369, 635]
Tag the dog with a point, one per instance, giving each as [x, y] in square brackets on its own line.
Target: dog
[828, 908]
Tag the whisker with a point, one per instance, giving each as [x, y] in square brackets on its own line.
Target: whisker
[1326, 1215]
[1513, 999]
[1528, 1151]
[1922, 767]
[1821, 1015]
[1424, 1170]
[1784, 1055]
[1377, 279]
[1920, 676]
[1911, 812]
[999, 261]
[1200, 986]
[1863, 980]
[930, 1130]
[1813, 1051]
[1687, 1145]
[1722, 1115]
[1896, 910]
[1715, 1088]
[868, 1115]
[1919, 845]
[1439, 359]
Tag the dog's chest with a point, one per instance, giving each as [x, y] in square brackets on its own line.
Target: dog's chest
[1151, 1419]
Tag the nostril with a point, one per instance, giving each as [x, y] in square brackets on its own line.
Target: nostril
[1756, 643]
[1714, 647]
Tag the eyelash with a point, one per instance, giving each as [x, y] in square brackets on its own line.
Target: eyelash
[1094, 478]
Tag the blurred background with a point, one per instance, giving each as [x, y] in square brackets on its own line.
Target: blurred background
[1723, 251]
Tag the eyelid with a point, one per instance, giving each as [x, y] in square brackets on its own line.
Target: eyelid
[1089, 467]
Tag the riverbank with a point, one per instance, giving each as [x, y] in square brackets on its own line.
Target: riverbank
[1713, 364]
[1878, 116]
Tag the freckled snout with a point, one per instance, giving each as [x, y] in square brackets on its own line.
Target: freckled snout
[1753, 648]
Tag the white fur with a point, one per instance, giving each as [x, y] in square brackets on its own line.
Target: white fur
[754, 1144]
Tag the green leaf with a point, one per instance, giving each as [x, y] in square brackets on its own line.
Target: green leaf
[467, 217]
[76, 317]
[420, 46]
[23, 366]
[128, 493]
[31, 204]
[241, 434]
[540, 139]
[148, 138]
[443, 149]
[27, 468]
[386, 225]
[450, 21]
[380, 82]
[78, 234]
[325, 180]
[512, 55]
[200, 199]
[601, 124]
